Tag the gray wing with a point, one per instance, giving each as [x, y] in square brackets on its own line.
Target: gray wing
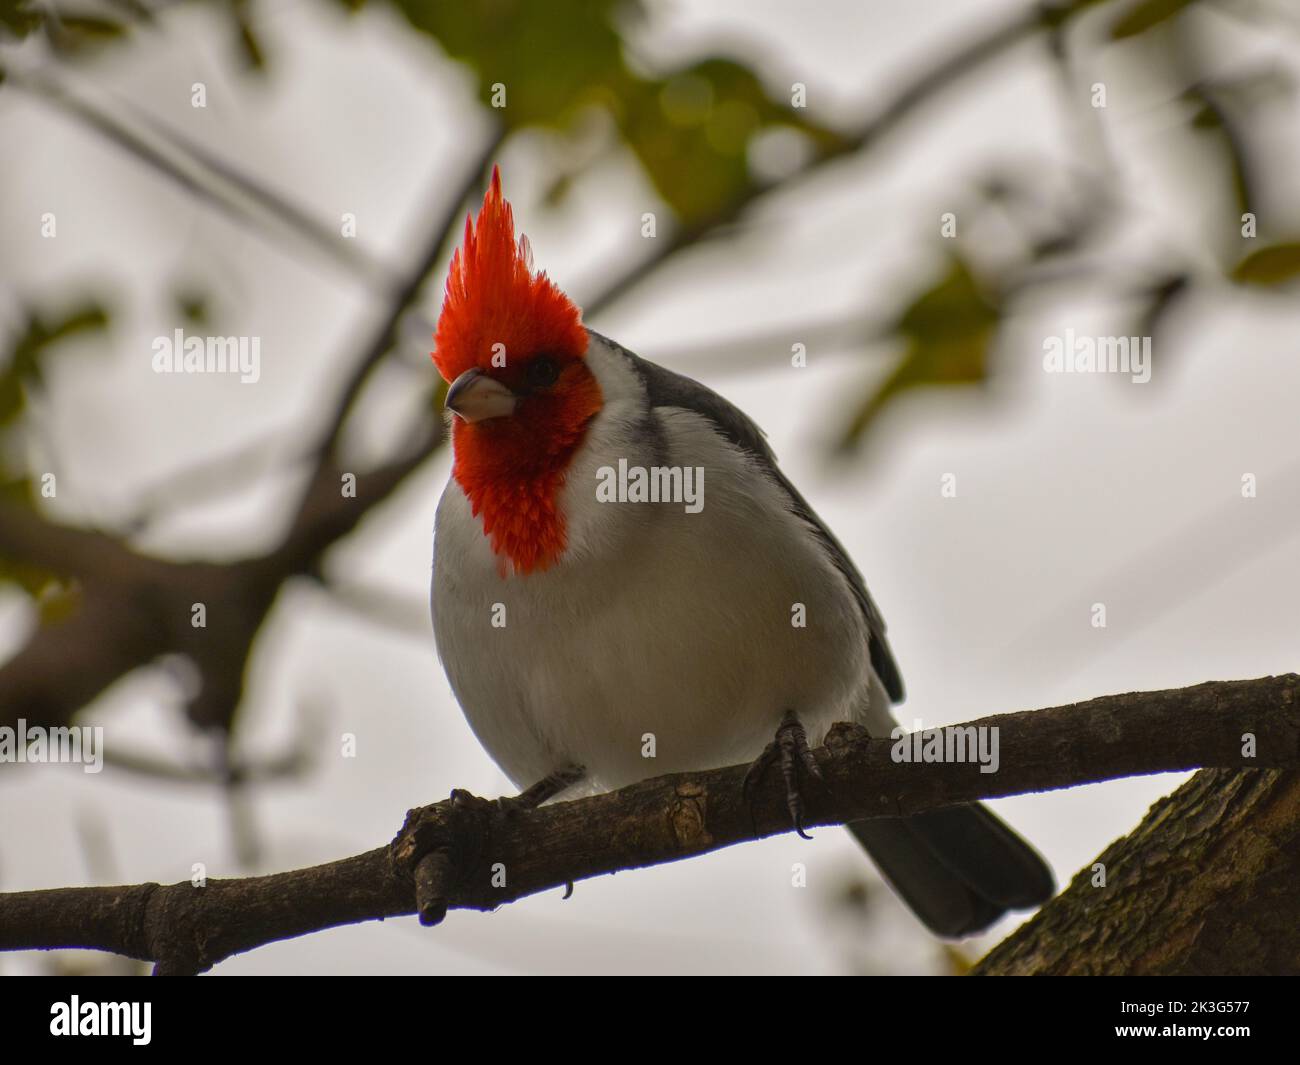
[668, 389]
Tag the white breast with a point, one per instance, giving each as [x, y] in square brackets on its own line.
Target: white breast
[659, 632]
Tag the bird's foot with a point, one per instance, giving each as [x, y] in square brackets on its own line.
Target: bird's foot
[790, 751]
[438, 845]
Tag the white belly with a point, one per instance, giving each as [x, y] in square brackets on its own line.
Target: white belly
[662, 642]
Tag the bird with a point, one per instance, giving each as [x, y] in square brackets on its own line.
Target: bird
[625, 584]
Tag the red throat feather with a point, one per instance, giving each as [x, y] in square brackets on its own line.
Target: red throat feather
[512, 468]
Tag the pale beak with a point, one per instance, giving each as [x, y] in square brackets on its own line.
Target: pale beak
[475, 397]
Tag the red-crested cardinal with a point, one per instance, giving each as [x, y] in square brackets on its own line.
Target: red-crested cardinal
[621, 570]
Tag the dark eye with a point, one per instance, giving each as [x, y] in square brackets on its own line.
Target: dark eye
[542, 372]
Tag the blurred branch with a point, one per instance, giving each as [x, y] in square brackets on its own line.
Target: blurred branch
[295, 762]
[327, 238]
[210, 180]
[387, 332]
[65, 550]
[902, 105]
[451, 855]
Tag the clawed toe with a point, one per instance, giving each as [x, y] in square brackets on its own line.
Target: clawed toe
[791, 752]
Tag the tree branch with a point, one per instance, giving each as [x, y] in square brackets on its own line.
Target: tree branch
[184, 929]
[1206, 885]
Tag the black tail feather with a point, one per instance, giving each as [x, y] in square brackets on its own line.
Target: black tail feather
[959, 868]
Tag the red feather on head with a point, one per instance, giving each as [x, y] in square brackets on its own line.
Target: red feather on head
[493, 297]
[513, 468]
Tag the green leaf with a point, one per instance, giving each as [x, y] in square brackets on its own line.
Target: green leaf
[1269, 266]
[949, 329]
[19, 17]
[552, 59]
[250, 45]
[90, 27]
[692, 130]
[23, 366]
[18, 372]
[553, 63]
[73, 35]
[1145, 15]
[69, 31]
[192, 304]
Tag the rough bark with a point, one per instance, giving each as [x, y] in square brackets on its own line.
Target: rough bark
[1209, 883]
